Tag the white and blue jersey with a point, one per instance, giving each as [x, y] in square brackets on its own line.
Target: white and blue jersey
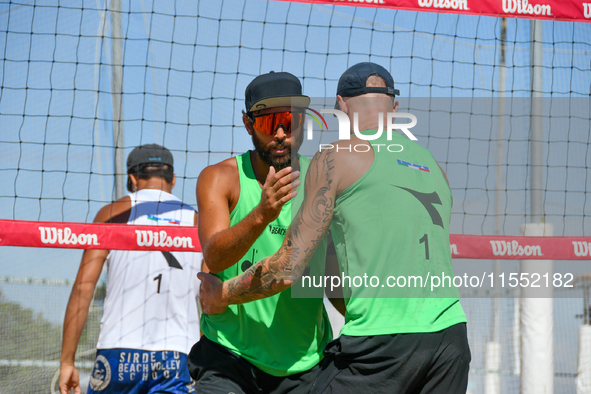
[150, 311]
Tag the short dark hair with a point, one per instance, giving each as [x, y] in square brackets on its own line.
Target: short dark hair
[150, 170]
[382, 83]
[378, 77]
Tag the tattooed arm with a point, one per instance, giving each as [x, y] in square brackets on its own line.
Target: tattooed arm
[279, 271]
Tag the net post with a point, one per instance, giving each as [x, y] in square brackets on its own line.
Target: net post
[537, 321]
[537, 314]
[117, 97]
[493, 348]
[583, 381]
[536, 123]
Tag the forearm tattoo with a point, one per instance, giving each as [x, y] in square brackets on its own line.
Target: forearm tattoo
[277, 272]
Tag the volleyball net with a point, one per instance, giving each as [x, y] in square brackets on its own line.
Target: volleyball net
[82, 84]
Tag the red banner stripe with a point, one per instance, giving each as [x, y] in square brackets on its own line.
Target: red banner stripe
[559, 10]
[519, 247]
[172, 238]
[98, 236]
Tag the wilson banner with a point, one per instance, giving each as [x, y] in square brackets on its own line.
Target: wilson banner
[169, 238]
[561, 10]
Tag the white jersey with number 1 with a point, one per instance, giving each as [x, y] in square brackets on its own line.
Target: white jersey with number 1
[151, 298]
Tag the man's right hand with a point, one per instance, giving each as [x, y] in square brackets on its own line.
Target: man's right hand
[69, 378]
[211, 294]
[278, 189]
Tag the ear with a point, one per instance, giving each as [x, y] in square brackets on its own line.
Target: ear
[173, 181]
[133, 179]
[342, 104]
[395, 107]
[247, 124]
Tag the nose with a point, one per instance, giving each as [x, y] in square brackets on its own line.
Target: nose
[280, 133]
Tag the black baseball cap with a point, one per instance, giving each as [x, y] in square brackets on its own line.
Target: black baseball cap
[353, 81]
[149, 154]
[270, 90]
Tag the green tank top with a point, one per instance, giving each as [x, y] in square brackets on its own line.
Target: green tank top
[281, 335]
[394, 222]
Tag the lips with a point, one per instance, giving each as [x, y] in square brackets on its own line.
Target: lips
[279, 150]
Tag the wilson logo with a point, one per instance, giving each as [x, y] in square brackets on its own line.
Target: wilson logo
[582, 248]
[523, 7]
[512, 248]
[51, 235]
[449, 4]
[454, 250]
[161, 238]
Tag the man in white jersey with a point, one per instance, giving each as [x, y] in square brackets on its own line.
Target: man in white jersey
[150, 319]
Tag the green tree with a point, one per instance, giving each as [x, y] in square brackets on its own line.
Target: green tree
[27, 337]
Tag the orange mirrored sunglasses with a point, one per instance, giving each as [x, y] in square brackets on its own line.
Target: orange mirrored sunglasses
[268, 123]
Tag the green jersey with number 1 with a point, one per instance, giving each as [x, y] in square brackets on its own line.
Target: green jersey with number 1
[391, 234]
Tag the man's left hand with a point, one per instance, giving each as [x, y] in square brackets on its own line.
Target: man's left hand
[210, 294]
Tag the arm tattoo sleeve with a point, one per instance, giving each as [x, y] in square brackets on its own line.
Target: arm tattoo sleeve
[276, 273]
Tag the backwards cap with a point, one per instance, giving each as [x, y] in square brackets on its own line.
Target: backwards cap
[150, 153]
[353, 81]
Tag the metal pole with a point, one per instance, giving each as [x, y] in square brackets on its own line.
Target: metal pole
[100, 39]
[117, 97]
[499, 172]
[493, 348]
[537, 175]
[537, 308]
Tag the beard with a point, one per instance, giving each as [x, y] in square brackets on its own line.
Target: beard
[278, 161]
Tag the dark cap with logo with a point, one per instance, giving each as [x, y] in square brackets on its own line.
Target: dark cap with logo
[270, 90]
[149, 154]
[353, 81]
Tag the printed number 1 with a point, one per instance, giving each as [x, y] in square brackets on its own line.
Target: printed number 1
[159, 279]
[426, 241]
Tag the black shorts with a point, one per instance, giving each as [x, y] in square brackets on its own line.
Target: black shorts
[217, 370]
[433, 363]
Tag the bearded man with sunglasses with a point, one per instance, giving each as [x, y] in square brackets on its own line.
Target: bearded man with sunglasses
[245, 203]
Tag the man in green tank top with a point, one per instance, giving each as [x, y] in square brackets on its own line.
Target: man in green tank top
[272, 345]
[388, 204]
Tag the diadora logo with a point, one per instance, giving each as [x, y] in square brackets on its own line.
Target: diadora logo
[51, 235]
[448, 4]
[587, 10]
[161, 238]
[512, 248]
[277, 229]
[523, 7]
[412, 165]
[582, 248]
